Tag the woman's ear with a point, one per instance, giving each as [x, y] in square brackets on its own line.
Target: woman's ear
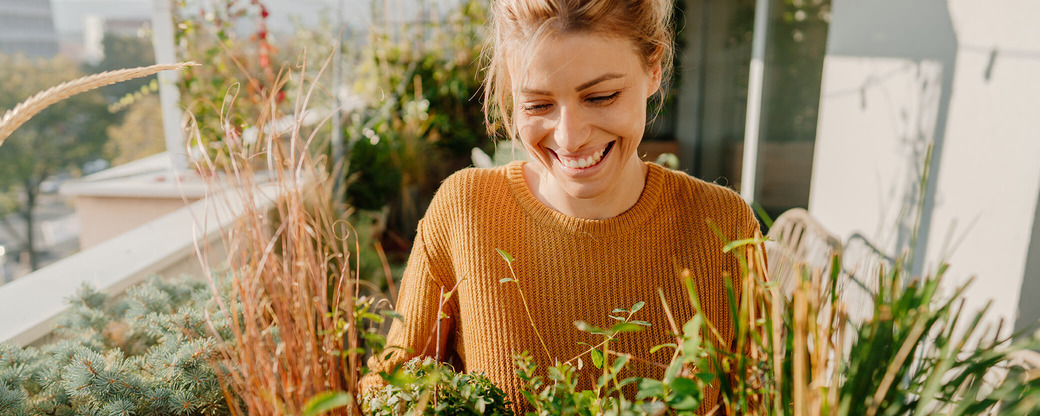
[655, 80]
[655, 74]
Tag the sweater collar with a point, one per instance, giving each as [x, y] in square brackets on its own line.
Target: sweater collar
[624, 223]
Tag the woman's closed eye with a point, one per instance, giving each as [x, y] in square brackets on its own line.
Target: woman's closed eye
[604, 99]
[536, 108]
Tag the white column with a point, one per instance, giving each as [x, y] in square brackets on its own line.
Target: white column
[337, 117]
[169, 94]
[749, 167]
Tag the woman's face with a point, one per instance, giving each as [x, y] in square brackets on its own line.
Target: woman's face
[580, 111]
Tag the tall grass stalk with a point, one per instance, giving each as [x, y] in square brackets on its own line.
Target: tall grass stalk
[514, 279]
[24, 111]
[290, 258]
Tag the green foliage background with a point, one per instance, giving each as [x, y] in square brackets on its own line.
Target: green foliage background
[421, 116]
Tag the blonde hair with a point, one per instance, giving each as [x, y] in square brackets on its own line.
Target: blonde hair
[514, 25]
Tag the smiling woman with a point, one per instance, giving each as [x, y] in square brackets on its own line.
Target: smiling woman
[581, 118]
[585, 227]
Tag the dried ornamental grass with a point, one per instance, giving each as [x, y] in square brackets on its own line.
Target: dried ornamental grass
[24, 111]
[290, 260]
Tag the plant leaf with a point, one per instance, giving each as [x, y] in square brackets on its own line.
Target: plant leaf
[625, 327]
[650, 388]
[638, 306]
[506, 280]
[507, 256]
[583, 326]
[687, 395]
[740, 243]
[597, 358]
[327, 401]
[656, 348]
[392, 314]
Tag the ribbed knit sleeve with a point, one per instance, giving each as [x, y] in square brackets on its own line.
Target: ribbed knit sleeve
[420, 303]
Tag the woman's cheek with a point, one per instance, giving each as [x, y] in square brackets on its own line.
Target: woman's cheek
[531, 131]
[530, 136]
[618, 123]
[628, 121]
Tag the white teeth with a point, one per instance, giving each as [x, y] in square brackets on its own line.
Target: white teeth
[581, 163]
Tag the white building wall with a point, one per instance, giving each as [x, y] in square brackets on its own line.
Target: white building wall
[964, 75]
[27, 27]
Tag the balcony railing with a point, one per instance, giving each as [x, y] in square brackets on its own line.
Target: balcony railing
[166, 246]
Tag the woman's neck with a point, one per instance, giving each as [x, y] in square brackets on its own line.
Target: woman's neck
[623, 194]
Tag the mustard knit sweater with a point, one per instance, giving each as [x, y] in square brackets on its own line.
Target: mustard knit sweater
[569, 269]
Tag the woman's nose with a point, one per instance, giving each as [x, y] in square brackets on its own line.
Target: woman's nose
[572, 130]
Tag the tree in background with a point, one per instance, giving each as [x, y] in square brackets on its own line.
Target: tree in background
[795, 62]
[137, 129]
[125, 51]
[61, 138]
[139, 134]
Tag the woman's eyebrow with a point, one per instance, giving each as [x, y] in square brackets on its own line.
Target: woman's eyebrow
[598, 80]
[535, 92]
[584, 86]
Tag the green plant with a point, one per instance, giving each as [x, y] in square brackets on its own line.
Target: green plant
[561, 394]
[920, 354]
[424, 386]
[916, 356]
[558, 392]
[509, 260]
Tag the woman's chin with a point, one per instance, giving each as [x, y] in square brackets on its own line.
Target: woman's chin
[582, 190]
[589, 182]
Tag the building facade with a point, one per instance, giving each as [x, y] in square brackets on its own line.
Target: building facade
[27, 27]
[929, 141]
[863, 99]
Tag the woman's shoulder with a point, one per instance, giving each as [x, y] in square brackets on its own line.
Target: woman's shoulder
[701, 198]
[686, 186]
[470, 189]
[472, 178]
[473, 184]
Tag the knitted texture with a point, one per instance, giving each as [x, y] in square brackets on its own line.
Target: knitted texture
[569, 269]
